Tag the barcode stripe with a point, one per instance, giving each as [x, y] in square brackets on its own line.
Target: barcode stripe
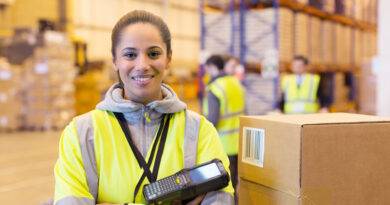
[254, 146]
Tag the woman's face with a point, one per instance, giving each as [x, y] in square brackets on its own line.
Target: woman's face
[142, 61]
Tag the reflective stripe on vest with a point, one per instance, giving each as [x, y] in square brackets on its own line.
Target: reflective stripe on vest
[303, 98]
[85, 129]
[230, 95]
[87, 148]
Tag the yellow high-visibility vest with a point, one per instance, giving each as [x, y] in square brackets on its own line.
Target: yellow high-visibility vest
[300, 98]
[231, 96]
[117, 168]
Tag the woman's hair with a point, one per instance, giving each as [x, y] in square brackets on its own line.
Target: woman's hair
[139, 16]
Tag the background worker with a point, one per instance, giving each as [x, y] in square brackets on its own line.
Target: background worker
[223, 105]
[302, 91]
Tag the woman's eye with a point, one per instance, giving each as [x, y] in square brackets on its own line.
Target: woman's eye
[154, 54]
[130, 55]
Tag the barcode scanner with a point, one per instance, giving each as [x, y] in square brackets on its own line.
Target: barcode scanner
[188, 183]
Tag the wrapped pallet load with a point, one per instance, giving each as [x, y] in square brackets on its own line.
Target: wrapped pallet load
[314, 44]
[261, 37]
[301, 34]
[49, 78]
[10, 102]
[327, 43]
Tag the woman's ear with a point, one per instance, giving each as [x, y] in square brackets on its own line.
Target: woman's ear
[168, 62]
[114, 64]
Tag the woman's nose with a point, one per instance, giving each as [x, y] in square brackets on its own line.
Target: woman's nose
[143, 62]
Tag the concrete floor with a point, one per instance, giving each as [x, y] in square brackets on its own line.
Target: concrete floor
[26, 167]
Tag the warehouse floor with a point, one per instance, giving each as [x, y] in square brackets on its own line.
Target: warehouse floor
[26, 167]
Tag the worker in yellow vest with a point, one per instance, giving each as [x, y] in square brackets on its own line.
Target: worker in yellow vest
[140, 132]
[300, 91]
[223, 105]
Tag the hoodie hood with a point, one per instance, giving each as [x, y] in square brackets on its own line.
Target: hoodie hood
[133, 111]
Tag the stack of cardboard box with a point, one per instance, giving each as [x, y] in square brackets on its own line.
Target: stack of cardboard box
[329, 6]
[343, 48]
[261, 37]
[348, 47]
[315, 33]
[349, 8]
[370, 11]
[303, 1]
[341, 103]
[301, 35]
[261, 94]
[327, 43]
[357, 12]
[357, 47]
[10, 102]
[317, 159]
[218, 23]
[49, 77]
[285, 29]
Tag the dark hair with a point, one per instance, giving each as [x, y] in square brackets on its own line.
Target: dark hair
[140, 16]
[216, 60]
[302, 58]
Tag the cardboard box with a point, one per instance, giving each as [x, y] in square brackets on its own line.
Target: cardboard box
[252, 193]
[318, 158]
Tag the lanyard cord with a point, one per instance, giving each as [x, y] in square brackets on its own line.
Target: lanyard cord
[161, 136]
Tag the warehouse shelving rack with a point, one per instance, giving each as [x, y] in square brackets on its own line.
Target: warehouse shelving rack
[237, 10]
[236, 43]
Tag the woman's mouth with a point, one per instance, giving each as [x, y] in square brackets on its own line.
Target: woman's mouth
[142, 80]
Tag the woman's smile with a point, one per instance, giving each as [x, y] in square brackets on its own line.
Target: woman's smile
[142, 79]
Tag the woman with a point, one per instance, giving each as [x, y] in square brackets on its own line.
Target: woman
[140, 123]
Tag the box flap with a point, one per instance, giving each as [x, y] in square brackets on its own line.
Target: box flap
[321, 118]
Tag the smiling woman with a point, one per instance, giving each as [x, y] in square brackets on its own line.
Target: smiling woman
[140, 132]
[141, 50]
[142, 61]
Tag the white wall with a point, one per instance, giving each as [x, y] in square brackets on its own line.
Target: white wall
[383, 68]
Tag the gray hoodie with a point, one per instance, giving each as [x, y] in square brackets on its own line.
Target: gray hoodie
[143, 120]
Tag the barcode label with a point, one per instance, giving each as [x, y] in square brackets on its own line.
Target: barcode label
[253, 146]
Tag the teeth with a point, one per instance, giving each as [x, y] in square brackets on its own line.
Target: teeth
[142, 79]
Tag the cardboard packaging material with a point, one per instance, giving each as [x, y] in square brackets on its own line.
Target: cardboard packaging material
[252, 193]
[9, 121]
[317, 159]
